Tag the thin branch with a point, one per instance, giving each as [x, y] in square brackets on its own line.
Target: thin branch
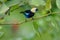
[34, 19]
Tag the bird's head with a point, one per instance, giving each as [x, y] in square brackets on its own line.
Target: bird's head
[34, 10]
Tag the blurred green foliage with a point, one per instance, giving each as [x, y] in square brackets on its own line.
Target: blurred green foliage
[45, 26]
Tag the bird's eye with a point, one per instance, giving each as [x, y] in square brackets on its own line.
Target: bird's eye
[36, 9]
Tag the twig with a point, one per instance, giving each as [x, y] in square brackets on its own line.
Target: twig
[34, 19]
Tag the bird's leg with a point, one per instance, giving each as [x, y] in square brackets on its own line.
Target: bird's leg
[25, 20]
[32, 18]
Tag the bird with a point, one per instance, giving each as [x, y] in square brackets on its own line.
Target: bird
[30, 12]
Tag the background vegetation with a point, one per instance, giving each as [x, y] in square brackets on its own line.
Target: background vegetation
[45, 26]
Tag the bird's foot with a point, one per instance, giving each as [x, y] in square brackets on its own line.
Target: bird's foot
[32, 18]
[25, 20]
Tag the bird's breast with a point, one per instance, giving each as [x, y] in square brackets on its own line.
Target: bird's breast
[29, 15]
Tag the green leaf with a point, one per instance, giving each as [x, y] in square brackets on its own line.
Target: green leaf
[15, 16]
[1, 34]
[27, 30]
[36, 26]
[12, 2]
[58, 3]
[37, 2]
[0, 3]
[3, 8]
[6, 35]
[54, 6]
[48, 4]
